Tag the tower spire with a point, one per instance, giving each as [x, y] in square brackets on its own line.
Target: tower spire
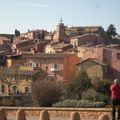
[61, 20]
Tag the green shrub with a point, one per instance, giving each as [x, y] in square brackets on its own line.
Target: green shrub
[92, 95]
[8, 101]
[79, 104]
[89, 104]
[18, 102]
[81, 82]
[103, 86]
[21, 100]
[105, 98]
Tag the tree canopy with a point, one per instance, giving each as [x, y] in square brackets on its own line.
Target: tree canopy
[80, 83]
[17, 32]
[111, 31]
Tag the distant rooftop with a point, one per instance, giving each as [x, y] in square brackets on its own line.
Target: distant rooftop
[112, 49]
[50, 55]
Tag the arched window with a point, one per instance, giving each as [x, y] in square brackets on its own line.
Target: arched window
[26, 89]
[46, 68]
[14, 89]
[2, 88]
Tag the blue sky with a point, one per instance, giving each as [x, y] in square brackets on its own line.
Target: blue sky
[45, 14]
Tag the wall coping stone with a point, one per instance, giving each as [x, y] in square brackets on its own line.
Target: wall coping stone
[60, 109]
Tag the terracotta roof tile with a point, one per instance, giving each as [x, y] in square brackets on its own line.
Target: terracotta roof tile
[50, 55]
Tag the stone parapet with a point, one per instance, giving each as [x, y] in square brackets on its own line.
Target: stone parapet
[85, 113]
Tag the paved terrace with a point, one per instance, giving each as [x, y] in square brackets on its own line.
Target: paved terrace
[33, 113]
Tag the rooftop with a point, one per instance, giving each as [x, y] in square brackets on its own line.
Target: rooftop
[94, 60]
[112, 49]
[50, 55]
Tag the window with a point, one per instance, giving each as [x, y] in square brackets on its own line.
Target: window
[33, 64]
[37, 64]
[30, 64]
[2, 88]
[105, 60]
[26, 90]
[46, 68]
[56, 66]
[14, 89]
[118, 56]
[44, 59]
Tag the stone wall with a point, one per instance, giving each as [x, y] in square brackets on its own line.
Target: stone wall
[85, 113]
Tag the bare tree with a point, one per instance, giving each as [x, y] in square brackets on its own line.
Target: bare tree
[45, 92]
[9, 78]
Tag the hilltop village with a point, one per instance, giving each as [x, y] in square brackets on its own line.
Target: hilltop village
[56, 55]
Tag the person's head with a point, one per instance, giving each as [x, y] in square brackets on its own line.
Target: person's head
[116, 81]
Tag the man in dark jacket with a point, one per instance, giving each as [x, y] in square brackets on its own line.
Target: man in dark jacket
[115, 96]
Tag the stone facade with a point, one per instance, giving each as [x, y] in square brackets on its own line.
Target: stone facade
[94, 68]
[87, 39]
[94, 52]
[112, 58]
[60, 65]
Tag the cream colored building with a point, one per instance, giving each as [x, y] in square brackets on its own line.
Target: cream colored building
[80, 50]
[49, 49]
[13, 81]
[18, 81]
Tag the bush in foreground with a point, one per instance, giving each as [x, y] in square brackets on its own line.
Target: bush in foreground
[92, 95]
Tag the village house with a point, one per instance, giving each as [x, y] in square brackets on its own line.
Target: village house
[57, 48]
[87, 39]
[34, 34]
[93, 29]
[49, 36]
[14, 61]
[6, 38]
[49, 48]
[5, 49]
[80, 50]
[22, 44]
[94, 68]
[80, 30]
[61, 47]
[94, 52]
[16, 76]
[111, 57]
[60, 65]
[18, 81]
[108, 55]
[29, 34]
[4, 41]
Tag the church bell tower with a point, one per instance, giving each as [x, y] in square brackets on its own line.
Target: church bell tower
[60, 31]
